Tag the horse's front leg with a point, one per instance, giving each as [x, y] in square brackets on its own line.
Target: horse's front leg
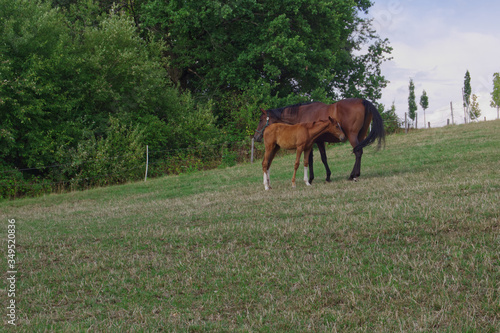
[322, 151]
[311, 169]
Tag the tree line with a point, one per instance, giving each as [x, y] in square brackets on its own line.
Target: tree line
[84, 80]
[472, 110]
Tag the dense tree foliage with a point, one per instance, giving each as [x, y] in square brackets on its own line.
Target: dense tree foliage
[79, 75]
[308, 49]
[391, 120]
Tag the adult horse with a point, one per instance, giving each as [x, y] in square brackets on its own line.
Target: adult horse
[354, 116]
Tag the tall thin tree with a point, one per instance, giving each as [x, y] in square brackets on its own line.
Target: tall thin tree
[467, 95]
[412, 105]
[495, 95]
[424, 103]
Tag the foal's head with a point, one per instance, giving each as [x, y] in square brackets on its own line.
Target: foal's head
[335, 129]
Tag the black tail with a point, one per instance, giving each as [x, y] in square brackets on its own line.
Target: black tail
[377, 131]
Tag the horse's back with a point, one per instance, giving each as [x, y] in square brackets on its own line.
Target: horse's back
[286, 136]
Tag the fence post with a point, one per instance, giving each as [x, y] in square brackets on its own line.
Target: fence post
[448, 122]
[251, 157]
[429, 124]
[147, 163]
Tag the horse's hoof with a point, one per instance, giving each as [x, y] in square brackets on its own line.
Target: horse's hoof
[355, 179]
[328, 180]
[308, 184]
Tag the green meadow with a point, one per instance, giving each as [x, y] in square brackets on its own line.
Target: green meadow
[413, 246]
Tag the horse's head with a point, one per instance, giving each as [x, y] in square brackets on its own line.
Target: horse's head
[264, 121]
[336, 130]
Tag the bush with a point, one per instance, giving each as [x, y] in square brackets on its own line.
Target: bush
[116, 158]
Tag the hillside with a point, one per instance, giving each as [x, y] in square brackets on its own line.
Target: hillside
[412, 246]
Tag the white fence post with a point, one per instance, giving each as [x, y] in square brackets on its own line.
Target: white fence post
[147, 163]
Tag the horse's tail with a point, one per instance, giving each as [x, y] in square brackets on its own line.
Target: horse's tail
[377, 132]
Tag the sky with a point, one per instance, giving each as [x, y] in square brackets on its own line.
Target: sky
[435, 43]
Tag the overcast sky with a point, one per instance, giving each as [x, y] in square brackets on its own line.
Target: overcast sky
[435, 43]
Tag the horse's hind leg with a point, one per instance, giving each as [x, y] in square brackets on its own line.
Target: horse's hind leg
[356, 170]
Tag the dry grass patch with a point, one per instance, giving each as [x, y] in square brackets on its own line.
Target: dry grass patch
[413, 246]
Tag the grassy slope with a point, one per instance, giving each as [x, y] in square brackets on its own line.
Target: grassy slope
[413, 246]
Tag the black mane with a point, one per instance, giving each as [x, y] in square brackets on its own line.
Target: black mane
[276, 113]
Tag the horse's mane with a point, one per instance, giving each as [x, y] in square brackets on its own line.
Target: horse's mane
[291, 110]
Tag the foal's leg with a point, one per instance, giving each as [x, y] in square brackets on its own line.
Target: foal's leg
[297, 163]
[306, 165]
[266, 162]
[271, 158]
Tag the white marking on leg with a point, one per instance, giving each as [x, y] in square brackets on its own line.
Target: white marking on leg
[306, 175]
[266, 181]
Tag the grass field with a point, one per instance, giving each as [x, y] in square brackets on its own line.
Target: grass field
[414, 246]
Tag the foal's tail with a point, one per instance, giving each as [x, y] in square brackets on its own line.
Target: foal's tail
[377, 132]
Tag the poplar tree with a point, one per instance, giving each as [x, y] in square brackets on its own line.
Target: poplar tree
[424, 103]
[412, 105]
[495, 95]
[467, 94]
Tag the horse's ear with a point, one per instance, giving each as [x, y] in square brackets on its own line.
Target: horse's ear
[263, 111]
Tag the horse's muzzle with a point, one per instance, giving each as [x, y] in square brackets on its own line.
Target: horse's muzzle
[257, 137]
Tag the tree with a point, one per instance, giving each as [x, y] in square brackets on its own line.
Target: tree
[57, 85]
[474, 112]
[391, 119]
[424, 103]
[412, 105]
[467, 94]
[495, 95]
[219, 50]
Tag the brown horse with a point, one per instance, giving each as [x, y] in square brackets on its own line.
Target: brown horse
[299, 136]
[354, 116]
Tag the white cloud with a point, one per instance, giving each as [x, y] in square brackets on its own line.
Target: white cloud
[436, 50]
